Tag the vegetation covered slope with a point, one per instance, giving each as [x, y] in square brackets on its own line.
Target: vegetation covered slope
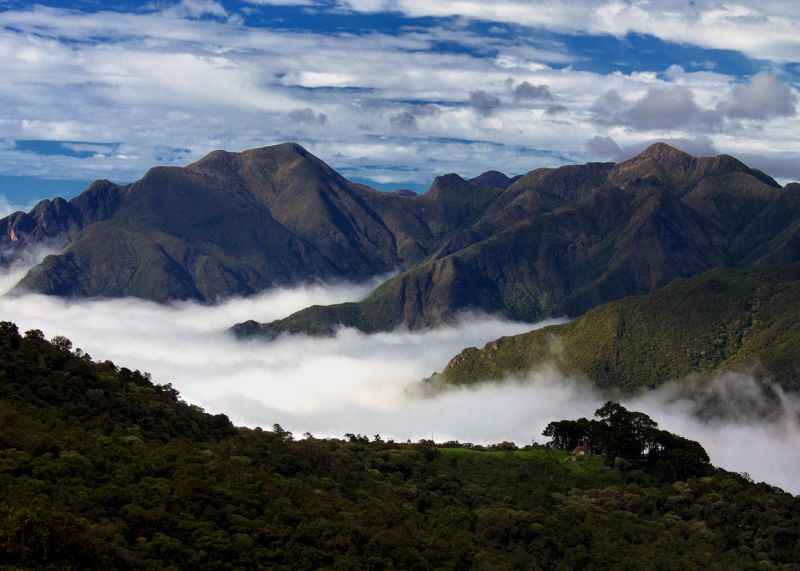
[721, 319]
[101, 469]
[561, 241]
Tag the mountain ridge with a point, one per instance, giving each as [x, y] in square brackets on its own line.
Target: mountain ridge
[561, 241]
[555, 241]
[724, 320]
[229, 224]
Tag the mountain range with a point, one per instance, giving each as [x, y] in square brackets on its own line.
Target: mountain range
[557, 242]
[554, 242]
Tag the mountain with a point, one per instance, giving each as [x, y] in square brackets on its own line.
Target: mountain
[232, 223]
[52, 223]
[556, 241]
[560, 241]
[100, 468]
[723, 319]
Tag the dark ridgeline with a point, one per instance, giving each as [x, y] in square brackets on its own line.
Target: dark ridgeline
[556, 241]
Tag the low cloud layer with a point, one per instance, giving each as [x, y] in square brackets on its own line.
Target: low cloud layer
[367, 384]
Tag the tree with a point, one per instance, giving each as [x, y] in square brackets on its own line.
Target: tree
[34, 334]
[673, 457]
[568, 434]
[624, 433]
[630, 438]
[62, 343]
[281, 432]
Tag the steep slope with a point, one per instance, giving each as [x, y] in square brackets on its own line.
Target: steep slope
[665, 165]
[52, 223]
[611, 245]
[560, 241]
[102, 469]
[724, 319]
[773, 235]
[231, 223]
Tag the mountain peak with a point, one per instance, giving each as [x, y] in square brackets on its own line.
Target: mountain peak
[659, 163]
[664, 153]
[279, 150]
[491, 179]
[450, 182]
[221, 157]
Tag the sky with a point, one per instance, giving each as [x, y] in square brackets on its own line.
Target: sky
[389, 92]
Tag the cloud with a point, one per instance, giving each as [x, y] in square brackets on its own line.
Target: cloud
[407, 118]
[9, 207]
[767, 30]
[670, 107]
[483, 102]
[370, 383]
[197, 9]
[285, 2]
[660, 108]
[149, 80]
[666, 108]
[307, 116]
[6, 207]
[764, 97]
[526, 91]
[599, 147]
[783, 166]
[404, 120]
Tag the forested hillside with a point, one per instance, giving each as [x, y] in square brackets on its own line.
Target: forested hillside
[722, 320]
[101, 468]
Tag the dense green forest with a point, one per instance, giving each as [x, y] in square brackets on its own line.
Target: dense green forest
[102, 468]
[723, 319]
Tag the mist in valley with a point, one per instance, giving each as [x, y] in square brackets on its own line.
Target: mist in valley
[369, 384]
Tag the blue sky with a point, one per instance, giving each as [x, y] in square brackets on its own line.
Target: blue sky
[389, 92]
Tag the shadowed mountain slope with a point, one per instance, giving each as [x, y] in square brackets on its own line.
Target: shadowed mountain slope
[561, 241]
[724, 319]
[233, 223]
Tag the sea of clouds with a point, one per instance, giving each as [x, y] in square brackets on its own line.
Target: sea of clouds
[368, 384]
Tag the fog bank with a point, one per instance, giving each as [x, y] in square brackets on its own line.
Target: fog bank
[360, 383]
